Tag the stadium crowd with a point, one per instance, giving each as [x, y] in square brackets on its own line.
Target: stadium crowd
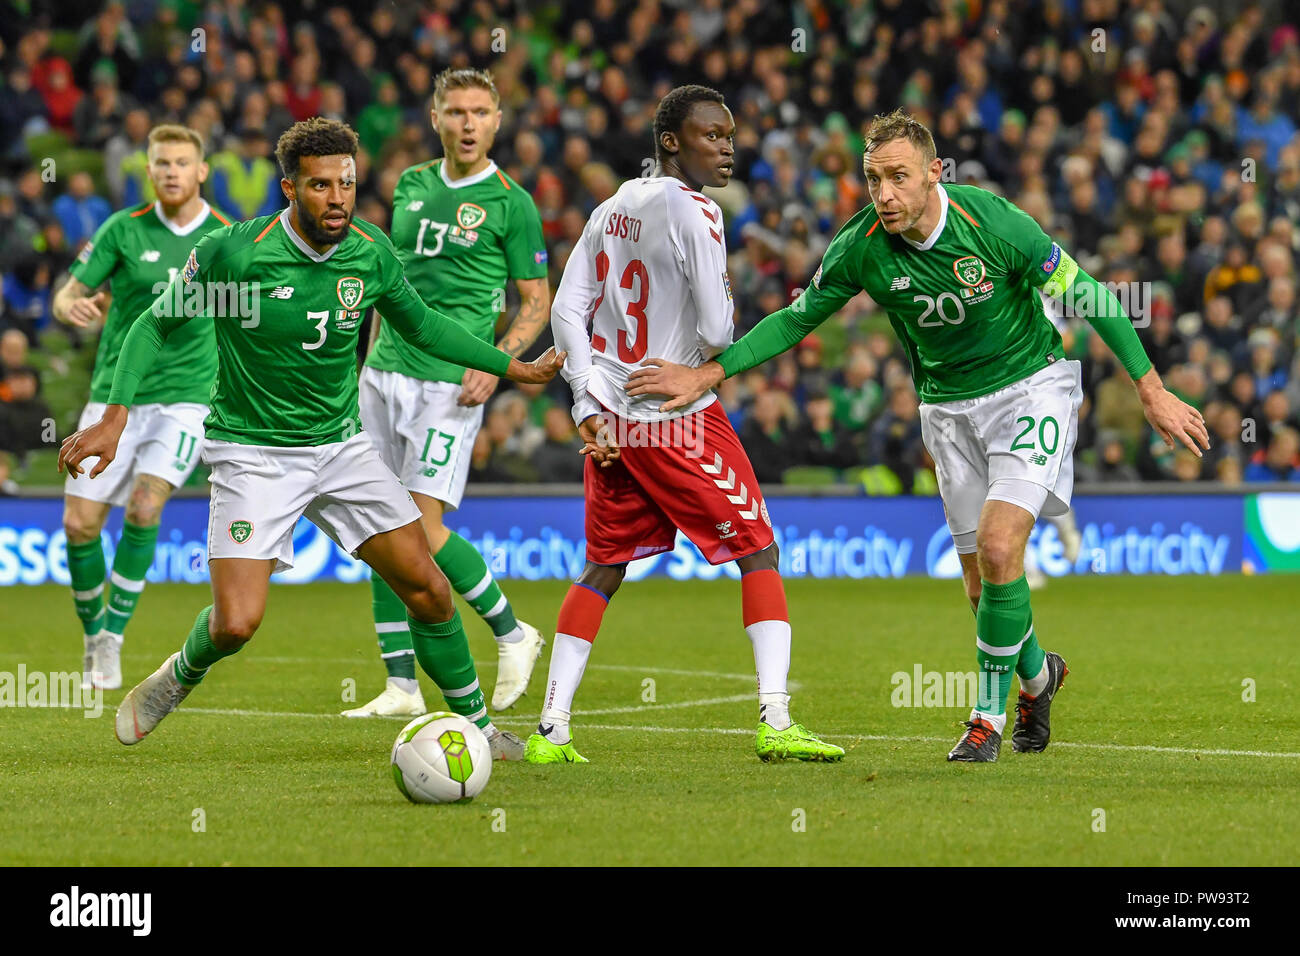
[1157, 140]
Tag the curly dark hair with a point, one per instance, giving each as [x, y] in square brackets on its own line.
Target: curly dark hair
[313, 137]
[676, 106]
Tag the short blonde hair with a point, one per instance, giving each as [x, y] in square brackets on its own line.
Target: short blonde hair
[450, 79]
[174, 133]
[899, 125]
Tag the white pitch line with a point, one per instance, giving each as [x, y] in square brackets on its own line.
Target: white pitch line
[1144, 748]
[631, 668]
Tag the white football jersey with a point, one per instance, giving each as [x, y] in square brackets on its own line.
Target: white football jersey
[649, 276]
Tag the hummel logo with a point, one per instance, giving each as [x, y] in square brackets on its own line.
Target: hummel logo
[900, 283]
[724, 530]
[150, 255]
[414, 205]
[281, 292]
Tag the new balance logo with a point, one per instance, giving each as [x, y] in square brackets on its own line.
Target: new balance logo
[415, 205]
[150, 255]
[281, 292]
[1038, 459]
[900, 283]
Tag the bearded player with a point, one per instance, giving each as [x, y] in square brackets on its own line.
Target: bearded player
[461, 228]
[137, 251]
[650, 275]
[961, 273]
[284, 437]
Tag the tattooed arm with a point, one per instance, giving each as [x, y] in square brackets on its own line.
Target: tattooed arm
[533, 315]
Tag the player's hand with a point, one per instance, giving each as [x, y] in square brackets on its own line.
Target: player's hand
[87, 310]
[1172, 418]
[540, 370]
[476, 387]
[598, 441]
[681, 384]
[97, 441]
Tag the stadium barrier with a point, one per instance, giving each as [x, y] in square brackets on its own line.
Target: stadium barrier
[536, 532]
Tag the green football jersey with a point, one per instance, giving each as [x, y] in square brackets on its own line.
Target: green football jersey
[460, 242]
[966, 303]
[286, 320]
[139, 253]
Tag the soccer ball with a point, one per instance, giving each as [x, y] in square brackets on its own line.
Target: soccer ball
[441, 758]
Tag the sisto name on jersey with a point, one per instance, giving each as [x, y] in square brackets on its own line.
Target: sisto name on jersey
[622, 226]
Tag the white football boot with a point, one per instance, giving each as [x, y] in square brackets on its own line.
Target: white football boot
[505, 745]
[148, 702]
[393, 702]
[515, 666]
[108, 662]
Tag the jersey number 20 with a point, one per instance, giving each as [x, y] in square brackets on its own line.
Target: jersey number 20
[636, 310]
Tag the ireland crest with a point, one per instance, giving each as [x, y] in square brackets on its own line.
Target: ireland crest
[350, 290]
[240, 531]
[969, 270]
[470, 216]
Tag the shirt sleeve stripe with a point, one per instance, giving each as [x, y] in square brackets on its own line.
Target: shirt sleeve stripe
[359, 232]
[872, 229]
[269, 227]
[224, 221]
[141, 212]
[503, 179]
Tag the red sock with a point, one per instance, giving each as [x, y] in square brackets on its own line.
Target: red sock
[762, 597]
[581, 612]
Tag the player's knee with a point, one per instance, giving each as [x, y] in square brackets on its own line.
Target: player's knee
[605, 578]
[769, 559]
[80, 529]
[231, 631]
[999, 553]
[430, 601]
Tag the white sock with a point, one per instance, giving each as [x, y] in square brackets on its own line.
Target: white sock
[771, 640]
[407, 685]
[568, 662]
[1036, 685]
[996, 721]
[511, 637]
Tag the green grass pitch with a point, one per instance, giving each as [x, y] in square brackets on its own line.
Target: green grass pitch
[1151, 730]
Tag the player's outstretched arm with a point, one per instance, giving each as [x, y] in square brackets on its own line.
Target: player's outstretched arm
[534, 310]
[1171, 417]
[97, 441]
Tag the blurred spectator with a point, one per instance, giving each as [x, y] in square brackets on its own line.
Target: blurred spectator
[766, 434]
[819, 439]
[558, 459]
[1112, 461]
[27, 297]
[896, 436]
[23, 413]
[246, 181]
[1280, 461]
[79, 211]
[98, 117]
[17, 233]
[126, 161]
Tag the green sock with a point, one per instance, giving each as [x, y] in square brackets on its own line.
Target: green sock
[1030, 663]
[391, 628]
[443, 652]
[1001, 624]
[131, 563]
[86, 568]
[198, 653]
[469, 575]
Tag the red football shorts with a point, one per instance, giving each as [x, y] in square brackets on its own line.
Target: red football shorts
[690, 473]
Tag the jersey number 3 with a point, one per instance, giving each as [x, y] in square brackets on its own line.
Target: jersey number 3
[636, 310]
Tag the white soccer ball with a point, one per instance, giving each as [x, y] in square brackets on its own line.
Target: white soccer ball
[441, 758]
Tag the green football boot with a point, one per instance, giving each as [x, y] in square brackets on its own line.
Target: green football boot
[541, 750]
[794, 743]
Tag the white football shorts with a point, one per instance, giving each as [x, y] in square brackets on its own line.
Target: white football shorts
[260, 491]
[420, 431]
[1024, 432]
[161, 440]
